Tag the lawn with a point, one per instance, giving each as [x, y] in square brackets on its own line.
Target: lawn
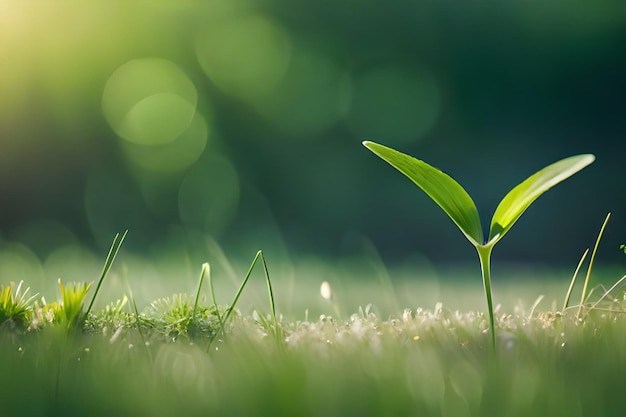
[396, 342]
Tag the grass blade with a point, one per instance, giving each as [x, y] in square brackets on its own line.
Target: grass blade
[593, 257]
[230, 309]
[205, 269]
[240, 290]
[115, 247]
[571, 285]
[268, 282]
[607, 292]
[213, 299]
[534, 306]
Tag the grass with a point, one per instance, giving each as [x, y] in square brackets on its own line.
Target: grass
[421, 362]
[188, 355]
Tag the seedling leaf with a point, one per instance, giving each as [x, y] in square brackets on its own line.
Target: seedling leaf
[522, 196]
[445, 191]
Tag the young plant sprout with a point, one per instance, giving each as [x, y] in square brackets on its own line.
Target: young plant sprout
[459, 206]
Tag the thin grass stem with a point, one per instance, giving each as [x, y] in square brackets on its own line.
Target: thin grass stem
[230, 309]
[205, 268]
[606, 293]
[115, 247]
[213, 299]
[593, 256]
[269, 287]
[571, 285]
[534, 306]
[240, 290]
[268, 281]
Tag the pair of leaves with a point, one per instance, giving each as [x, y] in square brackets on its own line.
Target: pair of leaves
[457, 203]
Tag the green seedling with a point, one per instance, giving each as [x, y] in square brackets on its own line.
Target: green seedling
[460, 207]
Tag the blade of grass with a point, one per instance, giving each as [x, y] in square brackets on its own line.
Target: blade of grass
[230, 309]
[269, 287]
[241, 287]
[593, 256]
[607, 292]
[115, 247]
[268, 281]
[535, 304]
[571, 285]
[205, 268]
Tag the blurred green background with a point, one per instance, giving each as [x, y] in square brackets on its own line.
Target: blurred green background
[241, 121]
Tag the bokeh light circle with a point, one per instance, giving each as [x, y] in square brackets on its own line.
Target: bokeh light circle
[394, 104]
[149, 101]
[174, 156]
[245, 56]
